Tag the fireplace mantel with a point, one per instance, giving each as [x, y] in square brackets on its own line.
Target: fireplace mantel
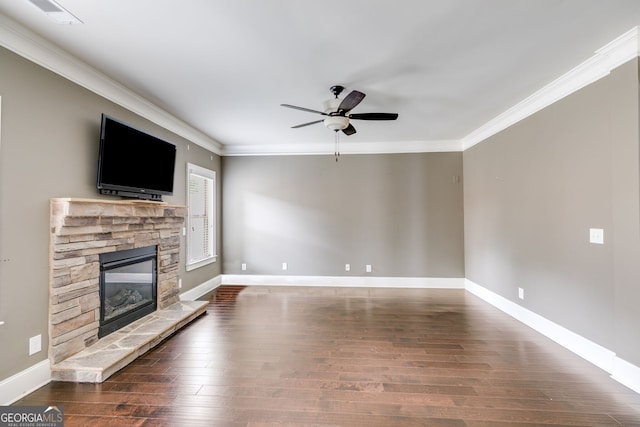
[82, 229]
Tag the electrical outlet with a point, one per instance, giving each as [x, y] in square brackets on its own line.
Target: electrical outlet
[347, 267]
[520, 293]
[243, 266]
[179, 283]
[35, 344]
[368, 268]
[284, 266]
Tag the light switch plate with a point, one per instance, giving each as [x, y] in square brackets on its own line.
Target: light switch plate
[596, 235]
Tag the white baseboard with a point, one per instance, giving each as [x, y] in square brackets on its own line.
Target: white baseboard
[24, 382]
[626, 373]
[201, 289]
[344, 281]
[619, 369]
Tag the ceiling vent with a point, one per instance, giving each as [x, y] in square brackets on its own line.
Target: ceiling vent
[56, 12]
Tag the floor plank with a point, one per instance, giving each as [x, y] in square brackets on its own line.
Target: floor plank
[288, 356]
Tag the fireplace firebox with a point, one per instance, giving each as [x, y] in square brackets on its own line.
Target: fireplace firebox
[128, 287]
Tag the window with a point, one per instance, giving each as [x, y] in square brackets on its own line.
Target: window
[201, 218]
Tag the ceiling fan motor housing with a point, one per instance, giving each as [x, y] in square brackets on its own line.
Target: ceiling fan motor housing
[331, 105]
[334, 122]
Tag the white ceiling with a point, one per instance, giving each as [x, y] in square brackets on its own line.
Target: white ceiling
[224, 66]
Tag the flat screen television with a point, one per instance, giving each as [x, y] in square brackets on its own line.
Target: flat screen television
[133, 163]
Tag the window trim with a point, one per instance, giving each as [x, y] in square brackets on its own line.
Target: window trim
[207, 174]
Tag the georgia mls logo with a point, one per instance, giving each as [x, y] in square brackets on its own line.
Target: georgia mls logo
[55, 410]
[31, 416]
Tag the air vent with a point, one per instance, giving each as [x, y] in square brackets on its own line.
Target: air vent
[56, 12]
[46, 6]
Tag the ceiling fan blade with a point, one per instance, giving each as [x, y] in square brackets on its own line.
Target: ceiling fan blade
[349, 130]
[350, 101]
[309, 110]
[307, 124]
[374, 116]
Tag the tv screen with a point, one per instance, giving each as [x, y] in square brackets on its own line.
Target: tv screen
[133, 163]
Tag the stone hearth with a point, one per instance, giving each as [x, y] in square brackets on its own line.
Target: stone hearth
[80, 231]
[115, 351]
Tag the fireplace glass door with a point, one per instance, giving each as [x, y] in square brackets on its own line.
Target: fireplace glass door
[128, 287]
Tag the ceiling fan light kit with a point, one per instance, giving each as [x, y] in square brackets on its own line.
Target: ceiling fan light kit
[336, 123]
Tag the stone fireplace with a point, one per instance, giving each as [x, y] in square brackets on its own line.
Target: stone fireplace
[84, 231]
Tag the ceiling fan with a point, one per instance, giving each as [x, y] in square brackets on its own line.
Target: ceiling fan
[337, 112]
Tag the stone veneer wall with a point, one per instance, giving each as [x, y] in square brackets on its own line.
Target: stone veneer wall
[81, 230]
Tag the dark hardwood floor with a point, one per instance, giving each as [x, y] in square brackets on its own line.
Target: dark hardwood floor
[269, 356]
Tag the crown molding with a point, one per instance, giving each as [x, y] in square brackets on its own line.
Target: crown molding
[345, 148]
[605, 59]
[40, 51]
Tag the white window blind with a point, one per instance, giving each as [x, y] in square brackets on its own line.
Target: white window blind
[201, 239]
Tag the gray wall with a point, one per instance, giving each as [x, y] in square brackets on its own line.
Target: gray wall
[48, 148]
[533, 191]
[401, 213]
